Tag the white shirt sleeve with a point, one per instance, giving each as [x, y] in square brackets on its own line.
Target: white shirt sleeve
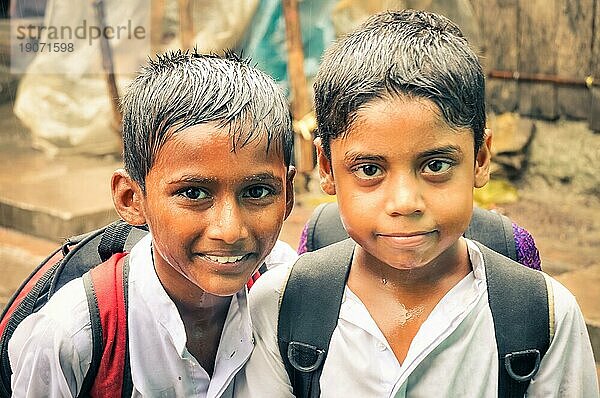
[264, 375]
[568, 368]
[50, 351]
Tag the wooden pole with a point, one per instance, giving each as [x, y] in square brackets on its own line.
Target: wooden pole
[109, 68]
[300, 103]
[186, 24]
[157, 13]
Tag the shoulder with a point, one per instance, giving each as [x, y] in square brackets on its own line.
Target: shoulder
[55, 340]
[281, 254]
[569, 365]
[270, 284]
[564, 302]
[67, 309]
[263, 298]
[64, 318]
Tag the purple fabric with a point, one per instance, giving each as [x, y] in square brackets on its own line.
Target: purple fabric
[527, 252]
[303, 239]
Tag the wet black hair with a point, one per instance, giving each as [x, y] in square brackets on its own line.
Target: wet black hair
[180, 89]
[403, 53]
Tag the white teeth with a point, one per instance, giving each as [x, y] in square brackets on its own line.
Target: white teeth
[224, 260]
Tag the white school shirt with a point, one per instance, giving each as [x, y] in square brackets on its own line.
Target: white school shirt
[50, 351]
[453, 354]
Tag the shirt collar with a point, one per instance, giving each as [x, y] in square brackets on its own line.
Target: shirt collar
[453, 305]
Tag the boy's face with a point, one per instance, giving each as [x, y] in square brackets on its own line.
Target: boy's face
[404, 181]
[215, 214]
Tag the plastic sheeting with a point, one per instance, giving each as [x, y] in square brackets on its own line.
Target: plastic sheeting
[63, 97]
[323, 21]
[265, 39]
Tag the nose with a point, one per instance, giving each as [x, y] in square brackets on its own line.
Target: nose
[226, 222]
[404, 196]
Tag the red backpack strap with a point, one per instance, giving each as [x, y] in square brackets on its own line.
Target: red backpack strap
[106, 289]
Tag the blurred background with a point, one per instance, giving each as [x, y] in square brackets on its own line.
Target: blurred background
[63, 65]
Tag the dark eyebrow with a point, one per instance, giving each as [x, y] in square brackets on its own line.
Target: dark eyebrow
[444, 150]
[266, 178]
[351, 157]
[254, 178]
[194, 180]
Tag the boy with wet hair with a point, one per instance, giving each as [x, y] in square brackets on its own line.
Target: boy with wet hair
[207, 148]
[402, 143]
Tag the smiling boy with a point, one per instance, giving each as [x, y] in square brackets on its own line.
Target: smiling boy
[207, 147]
[402, 143]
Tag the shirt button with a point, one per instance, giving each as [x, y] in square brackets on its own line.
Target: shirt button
[381, 346]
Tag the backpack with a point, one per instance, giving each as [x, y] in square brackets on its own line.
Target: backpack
[99, 257]
[310, 303]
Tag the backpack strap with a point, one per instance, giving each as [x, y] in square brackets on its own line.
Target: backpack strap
[261, 270]
[309, 311]
[106, 286]
[113, 239]
[493, 230]
[521, 303]
[324, 227]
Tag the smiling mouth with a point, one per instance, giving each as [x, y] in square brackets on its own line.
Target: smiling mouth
[226, 259]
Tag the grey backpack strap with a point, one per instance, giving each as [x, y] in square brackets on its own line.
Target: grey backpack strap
[324, 227]
[309, 311]
[519, 300]
[493, 230]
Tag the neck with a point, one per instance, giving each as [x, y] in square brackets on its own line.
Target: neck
[188, 297]
[439, 275]
[203, 314]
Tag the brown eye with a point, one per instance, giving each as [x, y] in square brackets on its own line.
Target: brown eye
[368, 171]
[257, 192]
[437, 166]
[194, 193]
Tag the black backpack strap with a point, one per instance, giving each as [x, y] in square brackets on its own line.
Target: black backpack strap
[263, 268]
[127, 379]
[113, 239]
[309, 311]
[521, 303]
[493, 230]
[96, 327]
[324, 227]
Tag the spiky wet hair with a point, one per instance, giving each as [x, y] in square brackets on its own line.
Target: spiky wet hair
[400, 53]
[180, 89]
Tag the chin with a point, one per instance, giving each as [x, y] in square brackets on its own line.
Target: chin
[405, 263]
[222, 288]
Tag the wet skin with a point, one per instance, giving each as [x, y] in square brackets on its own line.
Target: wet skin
[214, 214]
[404, 183]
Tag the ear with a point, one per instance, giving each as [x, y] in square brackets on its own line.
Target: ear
[325, 170]
[483, 160]
[127, 198]
[289, 191]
